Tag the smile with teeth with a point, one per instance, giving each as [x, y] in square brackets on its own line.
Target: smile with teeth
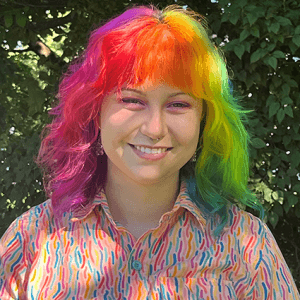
[150, 151]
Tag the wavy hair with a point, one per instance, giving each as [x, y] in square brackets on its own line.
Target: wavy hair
[142, 44]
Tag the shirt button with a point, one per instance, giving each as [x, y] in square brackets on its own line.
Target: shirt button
[136, 265]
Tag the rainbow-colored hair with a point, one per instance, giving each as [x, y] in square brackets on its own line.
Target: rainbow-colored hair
[142, 44]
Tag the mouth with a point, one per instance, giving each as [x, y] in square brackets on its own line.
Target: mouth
[148, 150]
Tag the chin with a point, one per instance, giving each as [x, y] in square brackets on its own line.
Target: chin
[150, 177]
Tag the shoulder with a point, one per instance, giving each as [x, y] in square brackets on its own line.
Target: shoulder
[28, 225]
[261, 256]
[242, 221]
[248, 237]
[249, 231]
[254, 241]
[18, 247]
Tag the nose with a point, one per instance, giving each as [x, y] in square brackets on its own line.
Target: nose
[154, 125]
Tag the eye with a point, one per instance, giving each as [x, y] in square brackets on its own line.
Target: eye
[131, 100]
[180, 105]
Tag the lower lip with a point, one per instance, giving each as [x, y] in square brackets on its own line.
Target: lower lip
[149, 156]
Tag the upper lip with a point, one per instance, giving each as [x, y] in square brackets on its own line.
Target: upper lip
[157, 147]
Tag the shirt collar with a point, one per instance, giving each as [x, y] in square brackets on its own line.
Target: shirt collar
[183, 201]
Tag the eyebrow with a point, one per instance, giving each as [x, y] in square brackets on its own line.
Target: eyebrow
[142, 93]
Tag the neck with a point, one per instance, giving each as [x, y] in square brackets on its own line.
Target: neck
[131, 202]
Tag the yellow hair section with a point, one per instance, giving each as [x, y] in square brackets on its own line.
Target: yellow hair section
[174, 47]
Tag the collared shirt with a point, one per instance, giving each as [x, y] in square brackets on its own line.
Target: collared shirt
[91, 256]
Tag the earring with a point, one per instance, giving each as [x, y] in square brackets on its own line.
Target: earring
[99, 146]
[194, 157]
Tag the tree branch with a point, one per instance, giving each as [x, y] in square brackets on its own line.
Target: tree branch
[38, 5]
[21, 51]
[37, 27]
[41, 49]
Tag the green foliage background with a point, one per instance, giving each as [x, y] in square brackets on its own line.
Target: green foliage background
[260, 41]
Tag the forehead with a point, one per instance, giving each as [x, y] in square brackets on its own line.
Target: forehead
[152, 87]
[149, 87]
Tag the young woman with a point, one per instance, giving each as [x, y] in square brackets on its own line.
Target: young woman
[143, 164]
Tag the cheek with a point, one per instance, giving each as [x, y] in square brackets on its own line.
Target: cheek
[187, 132]
[115, 117]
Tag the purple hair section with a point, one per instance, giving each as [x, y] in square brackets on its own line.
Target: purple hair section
[113, 24]
[73, 173]
[124, 18]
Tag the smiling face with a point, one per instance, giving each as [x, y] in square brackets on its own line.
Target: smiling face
[138, 116]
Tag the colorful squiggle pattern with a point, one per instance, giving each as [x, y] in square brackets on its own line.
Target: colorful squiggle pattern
[92, 257]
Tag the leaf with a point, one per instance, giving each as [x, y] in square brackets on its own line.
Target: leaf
[263, 44]
[8, 19]
[286, 140]
[271, 47]
[224, 18]
[277, 206]
[280, 115]
[286, 206]
[297, 137]
[247, 46]
[278, 54]
[21, 19]
[297, 30]
[254, 122]
[295, 158]
[275, 27]
[293, 47]
[296, 127]
[36, 98]
[28, 180]
[258, 143]
[275, 195]
[280, 38]
[276, 81]
[274, 107]
[249, 82]
[284, 157]
[20, 175]
[230, 46]
[272, 61]
[239, 50]
[283, 21]
[292, 200]
[244, 34]
[255, 31]
[292, 83]
[250, 7]
[270, 99]
[296, 40]
[286, 100]
[242, 3]
[288, 111]
[296, 188]
[285, 89]
[273, 219]
[233, 18]
[252, 19]
[292, 172]
[256, 56]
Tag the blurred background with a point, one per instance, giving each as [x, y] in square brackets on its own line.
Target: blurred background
[260, 41]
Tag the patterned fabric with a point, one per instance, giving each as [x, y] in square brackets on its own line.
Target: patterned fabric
[92, 257]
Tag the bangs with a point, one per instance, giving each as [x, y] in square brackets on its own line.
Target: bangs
[157, 51]
[163, 57]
